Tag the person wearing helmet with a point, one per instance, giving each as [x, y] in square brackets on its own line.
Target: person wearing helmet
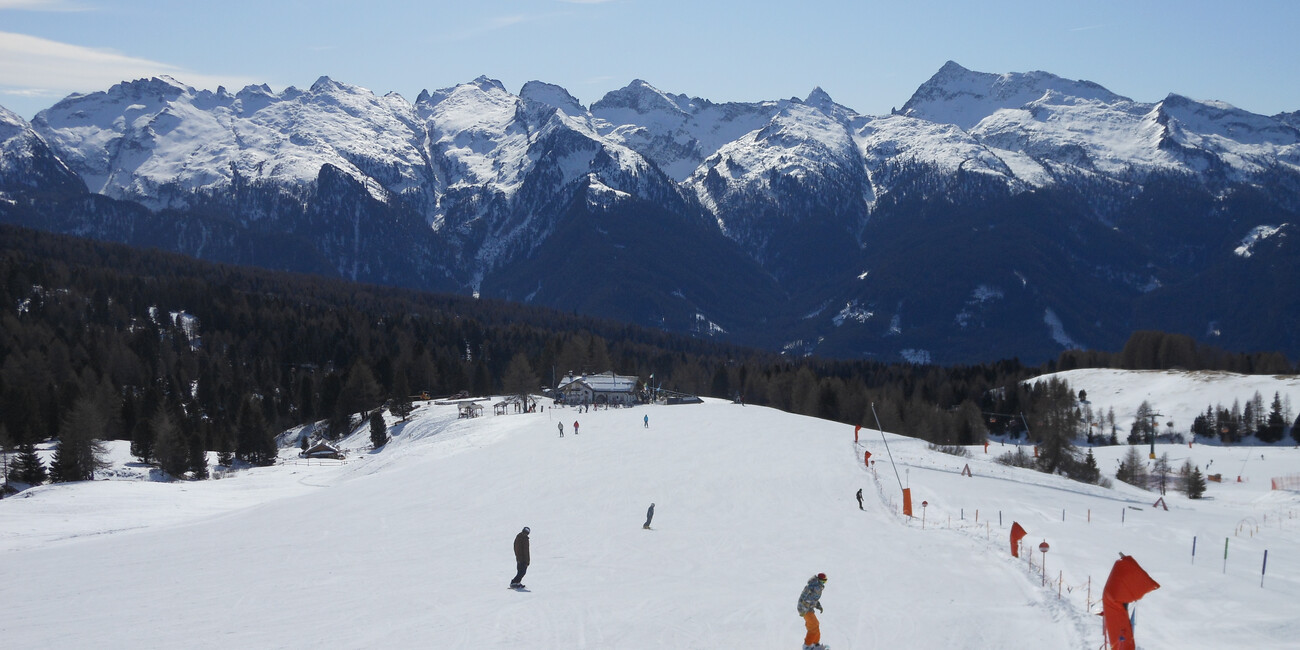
[810, 600]
[521, 557]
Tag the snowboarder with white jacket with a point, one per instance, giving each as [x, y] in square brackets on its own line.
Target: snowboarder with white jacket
[809, 600]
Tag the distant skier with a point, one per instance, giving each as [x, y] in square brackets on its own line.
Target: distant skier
[809, 600]
[860, 499]
[560, 426]
[575, 427]
[646, 419]
[649, 514]
[521, 558]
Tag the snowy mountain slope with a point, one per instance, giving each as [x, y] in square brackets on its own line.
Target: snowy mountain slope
[1114, 204]
[1228, 140]
[891, 142]
[474, 128]
[794, 193]
[27, 163]
[675, 131]
[1084, 126]
[409, 546]
[156, 141]
[955, 95]
[512, 165]
[1179, 395]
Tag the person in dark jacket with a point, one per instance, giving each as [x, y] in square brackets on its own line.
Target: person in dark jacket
[649, 514]
[521, 557]
[860, 499]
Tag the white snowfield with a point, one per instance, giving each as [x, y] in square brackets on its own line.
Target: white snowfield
[410, 546]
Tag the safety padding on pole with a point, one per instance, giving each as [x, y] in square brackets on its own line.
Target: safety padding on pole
[1127, 583]
[1017, 533]
[907, 501]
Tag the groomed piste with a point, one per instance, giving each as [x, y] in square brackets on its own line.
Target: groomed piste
[410, 545]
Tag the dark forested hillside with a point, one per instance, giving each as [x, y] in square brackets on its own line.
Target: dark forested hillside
[162, 349]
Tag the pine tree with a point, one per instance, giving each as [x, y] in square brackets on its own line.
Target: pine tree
[378, 431]
[6, 445]
[360, 392]
[196, 458]
[401, 407]
[1089, 472]
[27, 466]
[519, 378]
[1193, 483]
[1274, 424]
[400, 403]
[253, 441]
[1055, 423]
[142, 441]
[225, 449]
[1162, 470]
[1132, 469]
[80, 451]
[169, 444]
[1143, 428]
[1261, 416]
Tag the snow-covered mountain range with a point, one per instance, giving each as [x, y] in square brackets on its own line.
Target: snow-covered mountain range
[1036, 212]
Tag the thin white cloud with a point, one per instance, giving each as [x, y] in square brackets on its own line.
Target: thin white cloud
[42, 5]
[506, 21]
[31, 65]
[1086, 29]
[27, 92]
[494, 24]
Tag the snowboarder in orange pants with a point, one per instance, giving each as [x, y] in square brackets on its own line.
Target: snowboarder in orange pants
[809, 600]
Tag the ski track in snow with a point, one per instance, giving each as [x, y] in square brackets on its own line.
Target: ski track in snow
[409, 546]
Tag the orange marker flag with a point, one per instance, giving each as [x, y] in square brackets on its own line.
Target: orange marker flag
[1017, 533]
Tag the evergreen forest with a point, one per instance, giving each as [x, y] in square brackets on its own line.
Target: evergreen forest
[180, 356]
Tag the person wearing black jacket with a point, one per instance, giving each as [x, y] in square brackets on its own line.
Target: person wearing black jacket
[521, 557]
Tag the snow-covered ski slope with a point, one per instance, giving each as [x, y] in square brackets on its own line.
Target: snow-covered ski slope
[410, 547]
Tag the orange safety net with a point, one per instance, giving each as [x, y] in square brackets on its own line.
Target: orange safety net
[1127, 583]
[907, 501]
[1017, 534]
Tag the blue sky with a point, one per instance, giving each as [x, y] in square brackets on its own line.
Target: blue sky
[870, 56]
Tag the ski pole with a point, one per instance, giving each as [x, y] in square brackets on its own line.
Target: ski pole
[1262, 569]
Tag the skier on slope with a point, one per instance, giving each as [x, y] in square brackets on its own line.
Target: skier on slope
[561, 426]
[649, 514]
[809, 600]
[521, 558]
[860, 499]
